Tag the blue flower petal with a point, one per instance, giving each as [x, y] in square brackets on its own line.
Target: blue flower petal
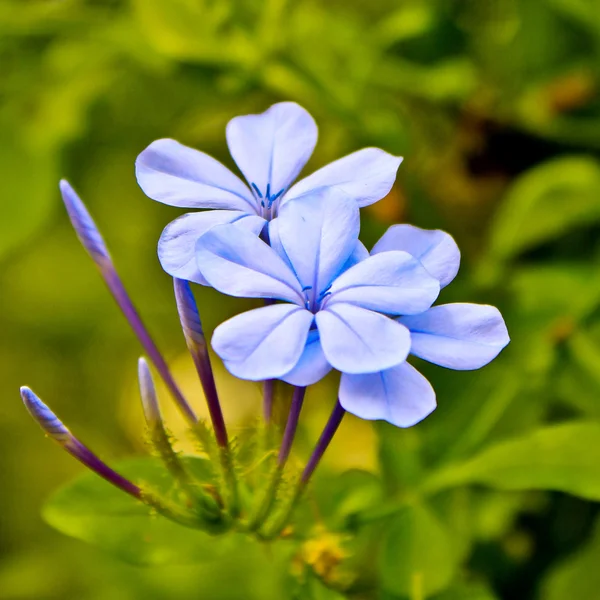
[436, 249]
[177, 244]
[264, 343]
[458, 336]
[174, 174]
[317, 234]
[236, 262]
[367, 176]
[272, 148]
[391, 282]
[359, 254]
[356, 340]
[312, 366]
[401, 395]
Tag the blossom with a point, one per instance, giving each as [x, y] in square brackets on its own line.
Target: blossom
[270, 150]
[337, 300]
[457, 336]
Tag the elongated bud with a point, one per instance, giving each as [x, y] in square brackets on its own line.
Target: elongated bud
[162, 444]
[45, 418]
[189, 317]
[148, 395]
[54, 428]
[90, 237]
[196, 343]
[84, 225]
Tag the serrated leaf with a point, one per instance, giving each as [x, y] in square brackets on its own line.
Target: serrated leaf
[546, 202]
[564, 458]
[417, 558]
[92, 510]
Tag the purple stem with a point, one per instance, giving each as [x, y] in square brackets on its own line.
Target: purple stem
[91, 461]
[330, 428]
[92, 241]
[196, 343]
[291, 426]
[119, 293]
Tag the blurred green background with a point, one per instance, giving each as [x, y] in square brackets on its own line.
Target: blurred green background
[495, 106]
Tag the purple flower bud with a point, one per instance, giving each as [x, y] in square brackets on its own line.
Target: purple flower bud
[92, 241]
[148, 394]
[54, 427]
[84, 225]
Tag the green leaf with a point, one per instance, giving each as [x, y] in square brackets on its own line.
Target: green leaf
[418, 557]
[546, 202]
[562, 457]
[92, 510]
[578, 576]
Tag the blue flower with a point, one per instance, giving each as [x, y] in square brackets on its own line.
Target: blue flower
[270, 150]
[336, 298]
[456, 336]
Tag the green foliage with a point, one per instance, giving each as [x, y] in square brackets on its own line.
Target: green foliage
[545, 203]
[577, 576]
[561, 457]
[92, 510]
[494, 106]
[418, 557]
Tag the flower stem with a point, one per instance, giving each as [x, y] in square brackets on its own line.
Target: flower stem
[196, 343]
[326, 436]
[328, 432]
[264, 506]
[161, 443]
[268, 393]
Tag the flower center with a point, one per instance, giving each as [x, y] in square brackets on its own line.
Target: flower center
[314, 302]
[267, 200]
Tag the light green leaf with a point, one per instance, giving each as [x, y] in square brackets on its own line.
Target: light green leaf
[418, 557]
[546, 202]
[94, 511]
[562, 457]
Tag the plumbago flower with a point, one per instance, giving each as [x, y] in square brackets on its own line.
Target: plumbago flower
[337, 307]
[270, 150]
[339, 304]
[330, 304]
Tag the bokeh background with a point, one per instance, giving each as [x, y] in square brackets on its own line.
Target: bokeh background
[494, 105]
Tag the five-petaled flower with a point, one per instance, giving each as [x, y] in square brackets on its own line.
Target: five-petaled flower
[270, 150]
[338, 300]
[339, 307]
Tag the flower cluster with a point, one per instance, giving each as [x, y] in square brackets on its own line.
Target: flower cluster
[341, 307]
[330, 304]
